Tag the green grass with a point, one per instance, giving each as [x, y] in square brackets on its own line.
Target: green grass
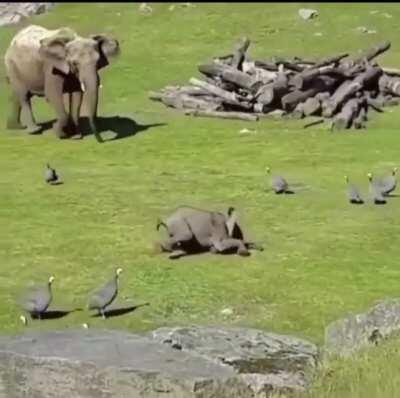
[323, 257]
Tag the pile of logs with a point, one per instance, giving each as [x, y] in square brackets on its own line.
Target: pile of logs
[339, 88]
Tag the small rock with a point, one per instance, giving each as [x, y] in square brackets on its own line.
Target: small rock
[172, 7]
[247, 131]
[362, 29]
[374, 12]
[385, 14]
[370, 32]
[307, 13]
[227, 311]
[144, 8]
[318, 34]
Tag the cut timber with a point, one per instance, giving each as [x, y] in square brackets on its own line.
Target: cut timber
[239, 78]
[321, 83]
[223, 115]
[389, 85]
[305, 78]
[272, 92]
[298, 112]
[370, 54]
[330, 60]
[212, 70]
[344, 119]
[349, 88]
[240, 53]
[360, 119]
[228, 97]
[391, 71]
[183, 101]
[312, 106]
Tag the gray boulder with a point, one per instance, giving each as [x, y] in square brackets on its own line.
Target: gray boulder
[13, 13]
[348, 335]
[104, 364]
[306, 13]
[266, 361]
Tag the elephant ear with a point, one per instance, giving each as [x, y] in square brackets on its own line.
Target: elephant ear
[108, 48]
[53, 49]
[231, 221]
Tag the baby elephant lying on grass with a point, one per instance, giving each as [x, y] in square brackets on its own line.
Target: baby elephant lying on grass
[194, 230]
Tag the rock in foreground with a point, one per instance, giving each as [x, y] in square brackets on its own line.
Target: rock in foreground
[267, 361]
[105, 364]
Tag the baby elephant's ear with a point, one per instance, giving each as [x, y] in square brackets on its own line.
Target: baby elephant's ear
[108, 48]
[231, 221]
[53, 50]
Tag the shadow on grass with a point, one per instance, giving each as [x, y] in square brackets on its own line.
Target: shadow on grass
[55, 314]
[123, 127]
[120, 311]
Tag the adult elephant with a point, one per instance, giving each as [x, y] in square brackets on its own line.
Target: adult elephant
[53, 62]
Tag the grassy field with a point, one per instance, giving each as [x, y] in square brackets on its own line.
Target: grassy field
[323, 258]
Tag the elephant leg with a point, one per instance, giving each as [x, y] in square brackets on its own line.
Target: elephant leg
[54, 94]
[232, 244]
[14, 118]
[31, 123]
[75, 103]
[254, 246]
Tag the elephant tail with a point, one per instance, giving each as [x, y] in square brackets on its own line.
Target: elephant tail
[161, 223]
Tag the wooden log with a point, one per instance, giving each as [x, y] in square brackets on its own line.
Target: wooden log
[223, 115]
[154, 96]
[391, 71]
[270, 66]
[321, 83]
[344, 118]
[228, 97]
[360, 119]
[184, 101]
[272, 92]
[349, 88]
[303, 79]
[239, 78]
[330, 60]
[239, 54]
[212, 70]
[369, 54]
[288, 64]
[298, 112]
[311, 106]
[389, 85]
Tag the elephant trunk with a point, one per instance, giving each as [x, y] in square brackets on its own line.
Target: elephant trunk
[90, 86]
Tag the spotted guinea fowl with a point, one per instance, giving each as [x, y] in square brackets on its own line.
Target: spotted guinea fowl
[51, 175]
[278, 183]
[375, 191]
[104, 296]
[388, 183]
[37, 299]
[353, 193]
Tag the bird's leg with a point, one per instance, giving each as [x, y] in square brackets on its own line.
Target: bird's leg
[103, 314]
[39, 316]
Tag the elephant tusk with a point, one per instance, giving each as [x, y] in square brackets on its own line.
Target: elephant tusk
[83, 88]
[100, 86]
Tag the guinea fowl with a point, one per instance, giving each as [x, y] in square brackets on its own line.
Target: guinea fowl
[38, 299]
[353, 193]
[375, 191]
[51, 175]
[388, 184]
[104, 296]
[278, 183]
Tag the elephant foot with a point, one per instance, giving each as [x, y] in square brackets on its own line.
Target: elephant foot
[14, 125]
[60, 130]
[177, 254]
[76, 137]
[34, 129]
[243, 252]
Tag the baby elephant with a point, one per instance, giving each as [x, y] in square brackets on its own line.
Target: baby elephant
[194, 230]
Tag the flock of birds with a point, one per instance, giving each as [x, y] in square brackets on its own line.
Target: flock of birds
[37, 300]
[379, 188]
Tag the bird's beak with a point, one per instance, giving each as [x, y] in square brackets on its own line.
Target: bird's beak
[83, 88]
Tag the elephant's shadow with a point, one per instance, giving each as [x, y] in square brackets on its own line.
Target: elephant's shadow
[123, 127]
